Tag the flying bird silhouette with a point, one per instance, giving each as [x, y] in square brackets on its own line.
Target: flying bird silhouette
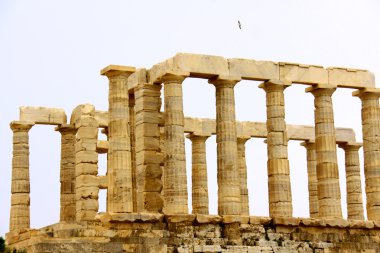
[239, 24]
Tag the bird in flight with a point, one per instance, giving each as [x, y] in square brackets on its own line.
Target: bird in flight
[239, 24]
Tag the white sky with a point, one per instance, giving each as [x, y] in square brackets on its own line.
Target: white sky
[51, 53]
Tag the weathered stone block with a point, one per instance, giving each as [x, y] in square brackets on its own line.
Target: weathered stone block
[43, 115]
[253, 70]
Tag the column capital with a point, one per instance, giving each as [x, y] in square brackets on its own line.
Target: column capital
[275, 85]
[308, 143]
[65, 128]
[21, 126]
[117, 70]
[174, 77]
[243, 139]
[226, 81]
[195, 136]
[321, 90]
[350, 146]
[367, 92]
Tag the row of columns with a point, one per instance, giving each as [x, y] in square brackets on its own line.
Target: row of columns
[232, 190]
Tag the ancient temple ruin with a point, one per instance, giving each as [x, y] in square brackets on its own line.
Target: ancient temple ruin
[146, 180]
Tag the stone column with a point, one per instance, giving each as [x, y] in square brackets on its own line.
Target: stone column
[243, 175]
[67, 213]
[132, 128]
[175, 187]
[20, 190]
[312, 177]
[371, 146]
[199, 174]
[279, 187]
[353, 183]
[229, 202]
[120, 193]
[325, 144]
[148, 155]
[86, 167]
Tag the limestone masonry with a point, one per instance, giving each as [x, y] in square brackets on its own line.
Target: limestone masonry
[146, 180]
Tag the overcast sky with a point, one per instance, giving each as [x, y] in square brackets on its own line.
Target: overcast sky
[51, 53]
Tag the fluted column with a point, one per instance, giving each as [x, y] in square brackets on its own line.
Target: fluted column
[312, 177]
[371, 146]
[280, 195]
[243, 175]
[67, 211]
[175, 182]
[229, 201]
[20, 189]
[120, 193]
[132, 128]
[353, 182]
[199, 174]
[325, 143]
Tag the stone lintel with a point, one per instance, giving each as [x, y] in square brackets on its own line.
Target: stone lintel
[21, 125]
[361, 92]
[43, 115]
[201, 126]
[350, 78]
[197, 65]
[302, 73]
[115, 70]
[253, 70]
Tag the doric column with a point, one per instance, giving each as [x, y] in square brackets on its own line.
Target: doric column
[148, 155]
[132, 129]
[243, 175]
[199, 174]
[371, 146]
[120, 193]
[325, 144]
[86, 167]
[279, 187]
[353, 182]
[20, 198]
[175, 187]
[226, 139]
[67, 213]
[312, 177]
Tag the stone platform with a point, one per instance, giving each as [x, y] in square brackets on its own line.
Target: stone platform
[121, 233]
